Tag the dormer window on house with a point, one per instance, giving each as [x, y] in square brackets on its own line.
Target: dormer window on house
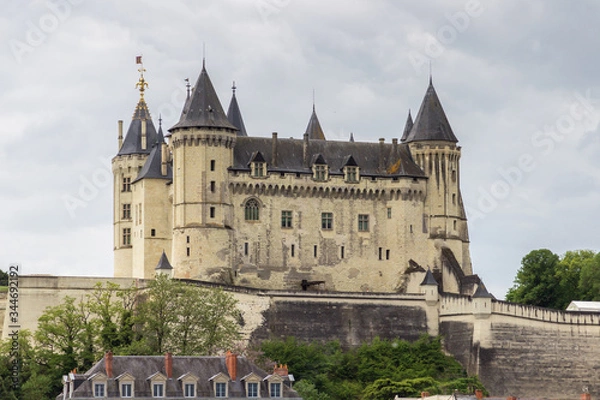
[99, 385]
[275, 389]
[252, 382]
[220, 386]
[351, 170]
[320, 169]
[258, 165]
[252, 389]
[189, 390]
[126, 384]
[158, 389]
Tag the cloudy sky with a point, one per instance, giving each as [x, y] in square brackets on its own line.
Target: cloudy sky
[518, 81]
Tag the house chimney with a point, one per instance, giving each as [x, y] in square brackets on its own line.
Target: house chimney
[120, 123]
[274, 150]
[381, 155]
[394, 150]
[163, 159]
[108, 363]
[231, 363]
[479, 394]
[143, 138]
[169, 365]
[281, 370]
[305, 150]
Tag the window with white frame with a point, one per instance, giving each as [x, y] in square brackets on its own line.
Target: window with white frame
[252, 389]
[275, 389]
[158, 389]
[99, 389]
[127, 389]
[220, 389]
[189, 390]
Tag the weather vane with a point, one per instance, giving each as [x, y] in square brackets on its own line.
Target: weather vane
[141, 84]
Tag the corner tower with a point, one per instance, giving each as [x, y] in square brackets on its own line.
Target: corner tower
[202, 145]
[434, 148]
[132, 155]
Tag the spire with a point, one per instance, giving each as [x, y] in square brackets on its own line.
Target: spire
[431, 122]
[164, 266]
[234, 115]
[141, 122]
[351, 137]
[482, 292]
[152, 168]
[313, 129]
[407, 127]
[429, 279]
[203, 109]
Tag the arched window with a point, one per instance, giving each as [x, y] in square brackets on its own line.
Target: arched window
[251, 210]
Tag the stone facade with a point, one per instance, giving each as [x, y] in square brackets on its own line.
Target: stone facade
[272, 213]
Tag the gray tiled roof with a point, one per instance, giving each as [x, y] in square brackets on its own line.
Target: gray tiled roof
[429, 279]
[290, 156]
[431, 122]
[143, 367]
[234, 115]
[152, 168]
[203, 108]
[132, 144]
[482, 292]
[313, 128]
[407, 127]
[163, 263]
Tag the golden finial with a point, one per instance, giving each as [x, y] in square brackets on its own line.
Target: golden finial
[142, 84]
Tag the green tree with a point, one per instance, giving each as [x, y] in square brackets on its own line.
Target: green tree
[308, 391]
[589, 279]
[3, 278]
[536, 281]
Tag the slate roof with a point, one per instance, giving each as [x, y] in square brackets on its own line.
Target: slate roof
[203, 108]
[152, 168]
[431, 122]
[482, 292]
[234, 115]
[429, 279]
[132, 143]
[407, 127]
[290, 156]
[163, 263]
[313, 128]
[143, 367]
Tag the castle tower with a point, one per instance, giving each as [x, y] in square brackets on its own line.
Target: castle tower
[434, 148]
[234, 115]
[132, 154]
[202, 145]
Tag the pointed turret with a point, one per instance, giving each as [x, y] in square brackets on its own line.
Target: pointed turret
[234, 115]
[164, 266]
[407, 127]
[313, 129]
[431, 122]
[141, 134]
[429, 279]
[203, 108]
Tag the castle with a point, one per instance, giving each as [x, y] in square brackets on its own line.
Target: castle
[218, 205]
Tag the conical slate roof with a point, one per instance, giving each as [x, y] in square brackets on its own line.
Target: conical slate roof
[314, 127]
[407, 127]
[163, 263]
[234, 115]
[429, 279]
[482, 292]
[132, 144]
[203, 108]
[431, 122]
[152, 168]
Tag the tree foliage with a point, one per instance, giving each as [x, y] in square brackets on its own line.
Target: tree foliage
[378, 370]
[547, 280]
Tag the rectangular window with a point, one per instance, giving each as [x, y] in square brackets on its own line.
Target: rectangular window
[158, 390]
[187, 239]
[126, 389]
[387, 254]
[380, 253]
[212, 186]
[187, 251]
[252, 389]
[286, 219]
[293, 250]
[246, 248]
[363, 222]
[152, 232]
[275, 389]
[411, 231]
[212, 212]
[258, 169]
[453, 198]
[351, 174]
[342, 252]
[126, 236]
[315, 249]
[189, 390]
[220, 389]
[212, 165]
[99, 390]
[126, 184]
[320, 172]
[126, 211]
[389, 212]
[326, 220]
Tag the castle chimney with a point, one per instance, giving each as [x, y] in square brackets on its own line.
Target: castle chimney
[305, 150]
[281, 370]
[231, 363]
[169, 365]
[108, 363]
[120, 138]
[163, 158]
[394, 150]
[274, 150]
[144, 145]
[381, 155]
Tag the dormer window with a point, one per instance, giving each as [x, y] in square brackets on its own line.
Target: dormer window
[188, 385]
[252, 383]
[320, 169]
[275, 389]
[189, 390]
[351, 170]
[252, 389]
[258, 165]
[157, 384]
[99, 389]
[220, 386]
[126, 384]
